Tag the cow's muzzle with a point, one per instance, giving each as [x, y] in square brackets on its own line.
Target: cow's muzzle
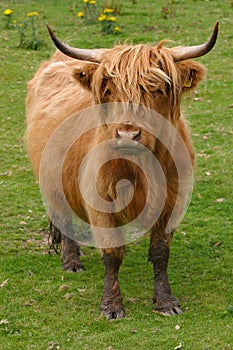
[127, 141]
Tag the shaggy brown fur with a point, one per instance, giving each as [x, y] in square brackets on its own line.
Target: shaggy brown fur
[137, 75]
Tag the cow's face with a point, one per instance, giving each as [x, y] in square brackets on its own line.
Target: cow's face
[139, 76]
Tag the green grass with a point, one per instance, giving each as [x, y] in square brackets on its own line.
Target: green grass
[46, 308]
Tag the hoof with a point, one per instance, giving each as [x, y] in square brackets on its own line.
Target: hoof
[113, 311]
[74, 270]
[169, 311]
[73, 267]
[168, 306]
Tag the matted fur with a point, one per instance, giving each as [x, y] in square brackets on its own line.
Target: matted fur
[136, 75]
[139, 67]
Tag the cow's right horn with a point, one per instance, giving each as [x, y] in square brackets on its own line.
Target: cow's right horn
[80, 54]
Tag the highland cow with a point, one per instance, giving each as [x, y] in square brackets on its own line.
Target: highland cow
[139, 78]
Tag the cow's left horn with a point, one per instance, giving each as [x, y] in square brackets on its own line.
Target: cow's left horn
[81, 54]
[185, 52]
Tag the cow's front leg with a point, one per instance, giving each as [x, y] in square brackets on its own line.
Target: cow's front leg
[166, 303]
[111, 305]
[109, 239]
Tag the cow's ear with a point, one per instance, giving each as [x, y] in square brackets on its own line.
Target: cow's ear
[191, 74]
[85, 74]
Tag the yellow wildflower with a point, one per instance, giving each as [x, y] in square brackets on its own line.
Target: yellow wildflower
[8, 12]
[108, 10]
[102, 18]
[80, 14]
[92, 2]
[112, 19]
[31, 14]
[117, 29]
[85, 1]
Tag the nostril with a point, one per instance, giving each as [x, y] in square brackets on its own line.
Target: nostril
[117, 136]
[137, 135]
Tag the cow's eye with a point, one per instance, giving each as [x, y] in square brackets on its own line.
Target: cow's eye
[108, 92]
[82, 75]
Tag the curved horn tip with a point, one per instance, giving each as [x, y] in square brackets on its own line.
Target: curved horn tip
[48, 27]
[51, 33]
[215, 32]
[213, 38]
[216, 26]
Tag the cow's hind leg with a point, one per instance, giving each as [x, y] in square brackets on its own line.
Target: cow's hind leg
[70, 250]
[166, 303]
[54, 238]
[70, 254]
[111, 305]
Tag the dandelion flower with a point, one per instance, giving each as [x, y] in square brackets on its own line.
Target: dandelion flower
[85, 1]
[80, 14]
[31, 14]
[102, 18]
[112, 19]
[108, 10]
[117, 29]
[8, 12]
[92, 2]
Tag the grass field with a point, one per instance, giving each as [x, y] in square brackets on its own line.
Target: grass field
[41, 306]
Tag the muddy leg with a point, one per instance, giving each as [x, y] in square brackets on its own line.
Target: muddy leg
[109, 239]
[70, 254]
[70, 250]
[166, 303]
[54, 239]
[111, 305]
